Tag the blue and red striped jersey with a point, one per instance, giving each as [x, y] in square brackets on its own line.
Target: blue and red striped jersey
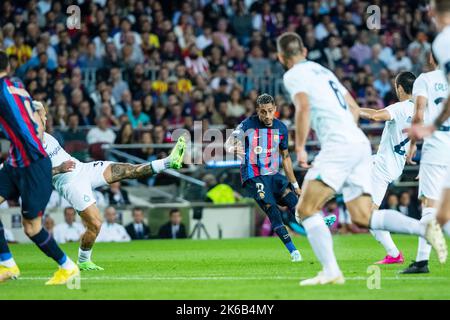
[18, 124]
[262, 146]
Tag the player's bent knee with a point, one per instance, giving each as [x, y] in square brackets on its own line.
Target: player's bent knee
[361, 220]
[305, 209]
[31, 227]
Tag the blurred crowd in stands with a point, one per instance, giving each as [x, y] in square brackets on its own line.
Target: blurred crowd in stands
[137, 69]
[163, 64]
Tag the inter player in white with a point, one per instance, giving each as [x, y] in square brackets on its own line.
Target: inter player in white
[429, 92]
[389, 161]
[75, 180]
[440, 11]
[344, 163]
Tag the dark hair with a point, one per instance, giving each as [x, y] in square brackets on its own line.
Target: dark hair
[137, 209]
[4, 61]
[290, 44]
[264, 99]
[68, 208]
[406, 80]
[172, 211]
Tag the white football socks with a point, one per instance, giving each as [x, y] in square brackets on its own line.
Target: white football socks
[8, 263]
[424, 249]
[319, 237]
[446, 228]
[394, 221]
[160, 165]
[84, 255]
[68, 264]
[384, 237]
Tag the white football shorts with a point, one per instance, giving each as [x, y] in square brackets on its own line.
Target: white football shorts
[345, 168]
[78, 190]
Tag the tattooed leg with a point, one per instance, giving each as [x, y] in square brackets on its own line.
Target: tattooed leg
[120, 171]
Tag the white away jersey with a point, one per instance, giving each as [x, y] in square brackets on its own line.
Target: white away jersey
[331, 117]
[58, 155]
[391, 155]
[441, 50]
[433, 86]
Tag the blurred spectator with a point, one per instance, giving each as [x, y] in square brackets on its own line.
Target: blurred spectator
[361, 51]
[69, 230]
[73, 132]
[101, 133]
[125, 134]
[117, 196]
[138, 118]
[49, 224]
[138, 230]
[174, 229]
[400, 62]
[392, 201]
[111, 231]
[383, 83]
[406, 206]
[219, 193]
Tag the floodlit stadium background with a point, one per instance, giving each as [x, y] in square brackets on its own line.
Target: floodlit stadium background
[123, 75]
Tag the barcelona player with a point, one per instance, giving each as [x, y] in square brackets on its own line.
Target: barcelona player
[258, 140]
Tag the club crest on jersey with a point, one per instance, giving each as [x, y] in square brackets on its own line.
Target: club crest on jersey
[276, 138]
[258, 149]
[409, 120]
[86, 198]
[260, 189]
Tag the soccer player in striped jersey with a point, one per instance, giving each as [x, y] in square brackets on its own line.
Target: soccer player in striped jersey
[27, 173]
[259, 140]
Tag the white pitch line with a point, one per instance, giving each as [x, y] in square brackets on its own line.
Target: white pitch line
[143, 278]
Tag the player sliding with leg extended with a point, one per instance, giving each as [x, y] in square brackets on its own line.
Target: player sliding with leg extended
[259, 140]
[390, 159]
[26, 173]
[440, 9]
[344, 163]
[75, 180]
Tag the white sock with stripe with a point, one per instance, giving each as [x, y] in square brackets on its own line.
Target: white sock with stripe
[84, 255]
[424, 249]
[319, 237]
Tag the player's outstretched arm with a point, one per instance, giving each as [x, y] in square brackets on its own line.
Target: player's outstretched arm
[302, 126]
[353, 105]
[374, 115]
[234, 145]
[66, 166]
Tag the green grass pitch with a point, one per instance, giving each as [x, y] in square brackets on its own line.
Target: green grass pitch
[257, 268]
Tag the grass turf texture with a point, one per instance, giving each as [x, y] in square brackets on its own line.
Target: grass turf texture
[257, 268]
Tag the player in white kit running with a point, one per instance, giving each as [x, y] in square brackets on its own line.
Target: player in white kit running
[389, 161]
[429, 92]
[75, 180]
[440, 11]
[344, 163]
